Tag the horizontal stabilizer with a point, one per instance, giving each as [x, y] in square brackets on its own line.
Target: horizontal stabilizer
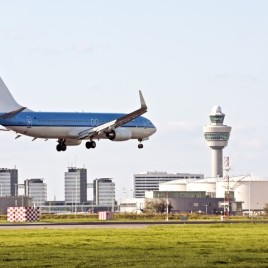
[12, 113]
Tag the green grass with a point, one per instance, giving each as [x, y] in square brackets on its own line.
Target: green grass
[220, 245]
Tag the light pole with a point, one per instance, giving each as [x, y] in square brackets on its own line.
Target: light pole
[167, 207]
[75, 195]
[1, 188]
[125, 192]
[16, 189]
[206, 209]
[72, 200]
[112, 204]
[249, 196]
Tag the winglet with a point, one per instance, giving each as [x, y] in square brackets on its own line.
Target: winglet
[143, 104]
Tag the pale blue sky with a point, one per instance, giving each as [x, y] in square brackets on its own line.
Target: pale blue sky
[186, 56]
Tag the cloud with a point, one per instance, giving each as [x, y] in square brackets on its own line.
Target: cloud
[180, 132]
[187, 126]
[45, 50]
[84, 47]
[12, 33]
[235, 77]
[87, 47]
[253, 144]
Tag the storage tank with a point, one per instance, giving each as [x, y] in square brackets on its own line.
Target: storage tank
[207, 185]
[177, 185]
[252, 191]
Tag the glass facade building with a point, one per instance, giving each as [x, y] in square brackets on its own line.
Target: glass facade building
[8, 182]
[37, 190]
[104, 192]
[76, 186]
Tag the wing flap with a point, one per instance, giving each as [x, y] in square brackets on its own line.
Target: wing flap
[95, 131]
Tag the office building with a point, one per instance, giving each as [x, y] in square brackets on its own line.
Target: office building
[8, 182]
[104, 192]
[76, 186]
[20, 190]
[150, 181]
[217, 136]
[14, 201]
[37, 190]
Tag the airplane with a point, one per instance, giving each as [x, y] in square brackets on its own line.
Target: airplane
[71, 128]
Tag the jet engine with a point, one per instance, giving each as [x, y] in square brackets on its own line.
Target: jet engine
[119, 134]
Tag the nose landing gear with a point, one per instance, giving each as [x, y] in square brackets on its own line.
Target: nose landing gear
[140, 145]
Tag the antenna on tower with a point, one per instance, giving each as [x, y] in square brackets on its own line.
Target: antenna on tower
[226, 168]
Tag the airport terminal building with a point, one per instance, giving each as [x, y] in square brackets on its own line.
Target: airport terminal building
[150, 181]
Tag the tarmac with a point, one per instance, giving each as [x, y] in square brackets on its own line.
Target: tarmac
[111, 224]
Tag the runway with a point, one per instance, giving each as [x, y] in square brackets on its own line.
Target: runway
[118, 225]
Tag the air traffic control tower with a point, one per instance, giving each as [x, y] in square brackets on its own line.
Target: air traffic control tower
[217, 136]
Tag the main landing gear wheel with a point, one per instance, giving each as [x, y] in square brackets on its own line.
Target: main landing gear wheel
[90, 144]
[61, 146]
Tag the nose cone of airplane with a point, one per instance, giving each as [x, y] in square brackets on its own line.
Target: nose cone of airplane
[153, 129]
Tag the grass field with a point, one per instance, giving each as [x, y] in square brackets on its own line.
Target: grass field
[220, 245]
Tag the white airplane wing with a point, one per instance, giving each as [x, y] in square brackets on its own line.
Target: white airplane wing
[104, 128]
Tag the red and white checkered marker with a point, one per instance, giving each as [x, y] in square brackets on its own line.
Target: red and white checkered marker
[22, 214]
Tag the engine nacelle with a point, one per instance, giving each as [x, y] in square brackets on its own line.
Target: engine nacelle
[119, 134]
[70, 142]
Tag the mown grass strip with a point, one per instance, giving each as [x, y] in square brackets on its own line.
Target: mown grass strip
[238, 245]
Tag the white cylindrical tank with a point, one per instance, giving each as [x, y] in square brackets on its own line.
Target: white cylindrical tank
[177, 185]
[208, 186]
[251, 191]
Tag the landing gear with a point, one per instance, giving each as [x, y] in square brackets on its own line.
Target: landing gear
[140, 145]
[61, 146]
[90, 144]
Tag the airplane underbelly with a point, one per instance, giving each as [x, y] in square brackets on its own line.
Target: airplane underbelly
[72, 132]
[138, 133]
[44, 132]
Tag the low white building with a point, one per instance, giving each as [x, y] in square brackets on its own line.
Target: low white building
[252, 191]
[131, 205]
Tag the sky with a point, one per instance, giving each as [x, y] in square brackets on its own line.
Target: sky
[94, 56]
